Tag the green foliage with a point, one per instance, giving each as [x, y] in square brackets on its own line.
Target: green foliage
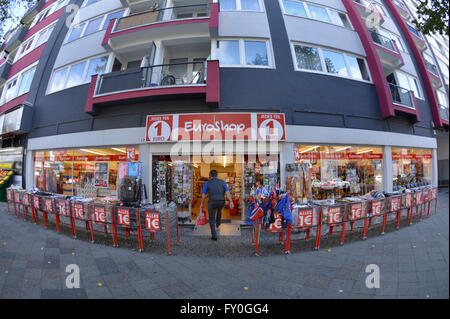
[433, 17]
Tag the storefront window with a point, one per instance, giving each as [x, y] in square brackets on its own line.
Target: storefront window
[80, 172]
[411, 167]
[335, 172]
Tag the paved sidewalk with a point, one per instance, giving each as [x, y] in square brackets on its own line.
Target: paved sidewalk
[413, 261]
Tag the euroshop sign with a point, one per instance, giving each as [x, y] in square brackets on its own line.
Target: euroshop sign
[216, 127]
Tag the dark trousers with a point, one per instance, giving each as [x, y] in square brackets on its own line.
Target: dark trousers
[215, 215]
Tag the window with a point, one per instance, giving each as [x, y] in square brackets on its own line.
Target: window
[109, 17]
[75, 33]
[442, 99]
[97, 66]
[229, 52]
[308, 58]
[93, 26]
[10, 91]
[244, 53]
[333, 62]
[58, 80]
[78, 73]
[408, 82]
[25, 81]
[318, 13]
[307, 10]
[295, 8]
[256, 53]
[243, 5]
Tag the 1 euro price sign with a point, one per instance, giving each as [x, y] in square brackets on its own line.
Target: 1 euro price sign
[305, 218]
[277, 225]
[334, 215]
[152, 222]
[99, 215]
[123, 216]
[356, 211]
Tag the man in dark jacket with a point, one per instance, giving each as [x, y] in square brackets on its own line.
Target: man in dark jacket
[216, 189]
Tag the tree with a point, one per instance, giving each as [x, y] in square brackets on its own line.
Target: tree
[11, 12]
[433, 17]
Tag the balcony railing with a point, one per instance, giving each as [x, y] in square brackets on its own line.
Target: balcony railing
[432, 68]
[444, 112]
[163, 15]
[164, 75]
[414, 31]
[383, 41]
[400, 4]
[401, 96]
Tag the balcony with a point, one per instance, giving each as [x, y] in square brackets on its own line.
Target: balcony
[418, 38]
[182, 21]
[368, 12]
[388, 51]
[15, 39]
[156, 82]
[31, 13]
[5, 66]
[402, 9]
[444, 113]
[404, 101]
[434, 74]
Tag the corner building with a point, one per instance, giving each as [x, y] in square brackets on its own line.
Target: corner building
[360, 96]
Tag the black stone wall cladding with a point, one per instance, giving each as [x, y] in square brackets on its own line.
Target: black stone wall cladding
[306, 98]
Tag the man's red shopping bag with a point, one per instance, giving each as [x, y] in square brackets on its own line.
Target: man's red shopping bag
[201, 219]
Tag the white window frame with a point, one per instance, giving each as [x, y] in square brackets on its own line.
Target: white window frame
[309, 16]
[86, 68]
[410, 78]
[270, 59]
[239, 7]
[323, 64]
[86, 22]
[33, 39]
[17, 77]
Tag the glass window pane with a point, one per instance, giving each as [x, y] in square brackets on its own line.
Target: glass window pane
[256, 53]
[10, 90]
[41, 38]
[227, 4]
[403, 80]
[335, 62]
[97, 66]
[25, 83]
[115, 15]
[308, 58]
[75, 33]
[90, 2]
[229, 52]
[318, 13]
[414, 86]
[58, 80]
[336, 18]
[76, 74]
[354, 67]
[93, 26]
[294, 8]
[251, 5]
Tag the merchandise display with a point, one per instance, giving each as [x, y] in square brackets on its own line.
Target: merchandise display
[340, 171]
[411, 168]
[298, 182]
[5, 182]
[129, 181]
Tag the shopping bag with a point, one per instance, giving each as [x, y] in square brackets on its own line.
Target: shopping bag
[201, 219]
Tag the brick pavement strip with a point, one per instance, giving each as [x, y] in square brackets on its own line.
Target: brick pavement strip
[413, 262]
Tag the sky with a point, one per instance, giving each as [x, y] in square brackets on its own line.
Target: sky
[18, 10]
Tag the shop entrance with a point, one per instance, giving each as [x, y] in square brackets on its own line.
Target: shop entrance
[181, 182]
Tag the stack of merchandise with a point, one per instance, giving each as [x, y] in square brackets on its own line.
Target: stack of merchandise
[298, 182]
[129, 182]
